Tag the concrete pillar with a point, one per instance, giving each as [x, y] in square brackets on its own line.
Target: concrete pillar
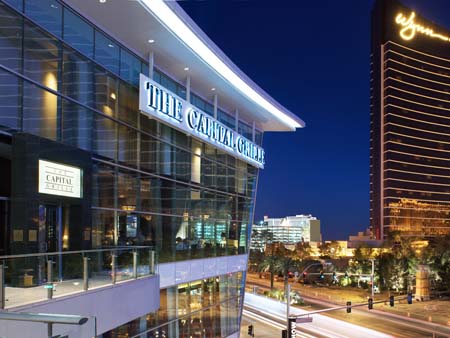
[188, 88]
[151, 64]
[215, 106]
[422, 283]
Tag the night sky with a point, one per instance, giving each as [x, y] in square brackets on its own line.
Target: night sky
[312, 57]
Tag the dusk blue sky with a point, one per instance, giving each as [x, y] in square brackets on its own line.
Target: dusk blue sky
[313, 57]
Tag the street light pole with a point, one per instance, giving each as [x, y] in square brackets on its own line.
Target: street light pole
[288, 304]
[372, 276]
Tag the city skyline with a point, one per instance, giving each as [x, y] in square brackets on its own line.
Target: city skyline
[322, 169]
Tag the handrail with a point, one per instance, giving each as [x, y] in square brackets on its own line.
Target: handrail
[43, 254]
[44, 318]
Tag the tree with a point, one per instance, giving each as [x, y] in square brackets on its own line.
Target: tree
[437, 255]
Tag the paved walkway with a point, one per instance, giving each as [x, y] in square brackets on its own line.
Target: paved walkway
[18, 296]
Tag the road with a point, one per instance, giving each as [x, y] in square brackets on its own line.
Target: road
[265, 326]
[396, 326]
[339, 323]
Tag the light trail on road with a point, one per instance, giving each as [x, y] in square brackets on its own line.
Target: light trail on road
[272, 323]
[323, 325]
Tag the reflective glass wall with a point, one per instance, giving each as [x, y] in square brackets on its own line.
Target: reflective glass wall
[205, 308]
[64, 80]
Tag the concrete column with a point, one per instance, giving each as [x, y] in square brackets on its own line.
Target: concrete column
[151, 64]
[215, 106]
[236, 115]
[188, 88]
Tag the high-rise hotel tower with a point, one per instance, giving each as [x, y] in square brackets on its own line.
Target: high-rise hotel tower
[410, 123]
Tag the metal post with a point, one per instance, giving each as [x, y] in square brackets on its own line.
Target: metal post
[50, 330]
[49, 279]
[288, 304]
[2, 286]
[113, 268]
[135, 263]
[372, 277]
[152, 262]
[85, 273]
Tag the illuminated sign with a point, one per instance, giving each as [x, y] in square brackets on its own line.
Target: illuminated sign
[171, 109]
[410, 28]
[59, 179]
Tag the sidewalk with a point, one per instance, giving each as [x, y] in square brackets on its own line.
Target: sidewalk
[435, 311]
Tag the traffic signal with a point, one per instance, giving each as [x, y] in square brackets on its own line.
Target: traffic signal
[349, 307]
[304, 275]
[346, 274]
[250, 330]
[391, 300]
[321, 275]
[334, 275]
[370, 304]
[409, 298]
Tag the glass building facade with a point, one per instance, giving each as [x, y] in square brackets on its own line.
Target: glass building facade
[410, 101]
[69, 94]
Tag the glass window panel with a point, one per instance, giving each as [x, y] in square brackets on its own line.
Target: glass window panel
[226, 119]
[181, 91]
[10, 100]
[127, 191]
[103, 186]
[128, 103]
[105, 93]
[168, 83]
[130, 67]
[245, 130]
[150, 194]
[148, 124]
[78, 33]
[41, 57]
[128, 145]
[78, 73]
[102, 228]
[76, 125]
[39, 111]
[258, 137]
[208, 168]
[156, 75]
[105, 139]
[148, 153]
[106, 52]
[196, 162]
[10, 39]
[47, 13]
[144, 68]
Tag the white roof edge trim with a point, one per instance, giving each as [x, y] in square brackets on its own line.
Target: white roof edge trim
[186, 35]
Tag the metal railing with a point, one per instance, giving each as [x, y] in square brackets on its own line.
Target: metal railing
[31, 278]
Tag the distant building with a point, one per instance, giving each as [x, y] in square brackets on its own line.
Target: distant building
[287, 230]
[364, 238]
[409, 128]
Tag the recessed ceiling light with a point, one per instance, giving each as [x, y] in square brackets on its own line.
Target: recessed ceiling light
[110, 45]
[102, 1]
[186, 68]
[113, 96]
[151, 41]
[213, 89]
